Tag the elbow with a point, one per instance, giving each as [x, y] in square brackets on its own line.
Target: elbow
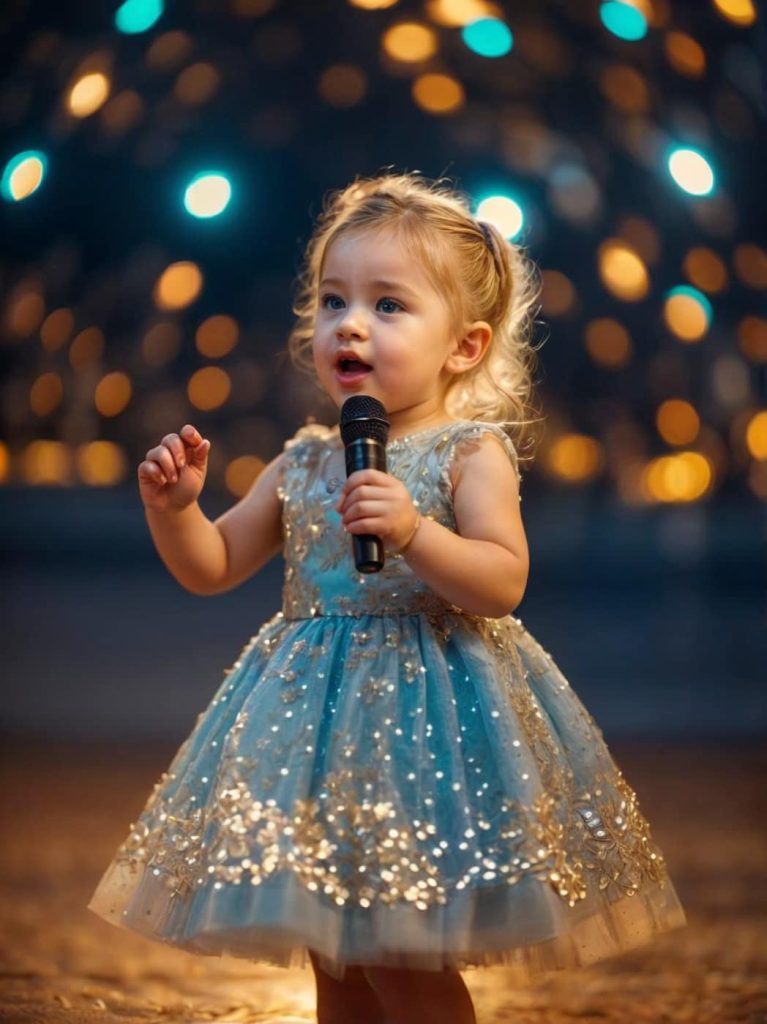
[511, 596]
[203, 589]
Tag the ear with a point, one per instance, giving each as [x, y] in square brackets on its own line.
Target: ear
[470, 348]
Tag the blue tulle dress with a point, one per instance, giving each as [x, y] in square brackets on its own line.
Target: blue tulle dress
[385, 779]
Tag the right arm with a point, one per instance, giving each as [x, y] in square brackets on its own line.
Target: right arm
[207, 557]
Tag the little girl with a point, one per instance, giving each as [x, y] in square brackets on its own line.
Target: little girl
[394, 779]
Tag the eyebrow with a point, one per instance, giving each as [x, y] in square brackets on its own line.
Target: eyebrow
[395, 286]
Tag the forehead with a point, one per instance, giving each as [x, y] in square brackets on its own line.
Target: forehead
[373, 256]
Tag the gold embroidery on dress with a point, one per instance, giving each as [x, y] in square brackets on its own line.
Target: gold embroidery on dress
[350, 840]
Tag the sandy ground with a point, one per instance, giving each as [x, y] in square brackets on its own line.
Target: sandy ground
[66, 807]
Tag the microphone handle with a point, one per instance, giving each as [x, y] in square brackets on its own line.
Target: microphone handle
[366, 453]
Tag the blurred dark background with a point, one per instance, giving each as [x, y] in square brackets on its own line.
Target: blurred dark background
[123, 316]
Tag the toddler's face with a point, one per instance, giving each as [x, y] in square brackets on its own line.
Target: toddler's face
[381, 328]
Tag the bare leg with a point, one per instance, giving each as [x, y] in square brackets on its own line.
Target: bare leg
[422, 997]
[349, 1001]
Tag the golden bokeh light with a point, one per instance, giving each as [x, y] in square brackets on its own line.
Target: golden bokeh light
[677, 422]
[343, 85]
[169, 50]
[685, 317]
[101, 463]
[750, 262]
[241, 473]
[642, 236]
[217, 336]
[197, 84]
[409, 42]
[26, 178]
[5, 463]
[25, 310]
[705, 270]
[372, 5]
[752, 338]
[161, 343]
[178, 285]
[622, 271]
[56, 329]
[608, 343]
[46, 394]
[46, 462]
[558, 293]
[685, 54]
[209, 387]
[756, 435]
[741, 12]
[438, 94]
[123, 112]
[88, 94]
[575, 457]
[679, 478]
[543, 49]
[626, 88]
[656, 12]
[113, 392]
[457, 13]
[87, 347]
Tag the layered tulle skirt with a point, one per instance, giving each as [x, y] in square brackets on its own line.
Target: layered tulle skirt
[402, 790]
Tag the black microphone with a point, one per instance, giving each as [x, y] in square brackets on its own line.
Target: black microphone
[364, 432]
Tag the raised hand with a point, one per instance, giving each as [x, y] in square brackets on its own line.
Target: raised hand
[172, 474]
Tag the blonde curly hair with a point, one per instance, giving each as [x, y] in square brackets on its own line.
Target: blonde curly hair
[480, 275]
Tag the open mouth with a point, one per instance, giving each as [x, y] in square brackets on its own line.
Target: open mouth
[352, 366]
[351, 372]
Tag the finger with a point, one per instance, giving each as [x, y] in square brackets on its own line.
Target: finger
[198, 446]
[175, 446]
[162, 456]
[363, 509]
[200, 453]
[366, 476]
[152, 473]
[369, 525]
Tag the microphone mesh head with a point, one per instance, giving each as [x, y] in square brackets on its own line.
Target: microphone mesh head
[363, 416]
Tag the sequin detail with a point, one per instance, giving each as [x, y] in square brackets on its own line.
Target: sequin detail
[377, 747]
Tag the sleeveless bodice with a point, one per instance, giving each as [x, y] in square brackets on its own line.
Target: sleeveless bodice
[320, 576]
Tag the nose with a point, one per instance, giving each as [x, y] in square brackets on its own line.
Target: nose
[351, 324]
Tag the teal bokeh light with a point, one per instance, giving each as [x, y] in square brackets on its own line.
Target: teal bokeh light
[623, 20]
[503, 211]
[698, 296]
[207, 195]
[691, 171]
[136, 16]
[13, 164]
[488, 37]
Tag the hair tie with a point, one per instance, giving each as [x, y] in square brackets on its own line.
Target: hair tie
[488, 235]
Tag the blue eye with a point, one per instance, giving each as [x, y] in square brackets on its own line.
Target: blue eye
[393, 301]
[328, 298]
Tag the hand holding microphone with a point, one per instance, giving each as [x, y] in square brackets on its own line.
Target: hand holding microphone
[375, 502]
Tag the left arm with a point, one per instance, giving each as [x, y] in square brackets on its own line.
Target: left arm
[483, 568]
